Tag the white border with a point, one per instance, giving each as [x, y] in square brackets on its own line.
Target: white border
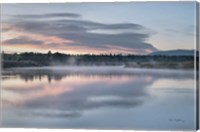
[0, 75]
[65, 1]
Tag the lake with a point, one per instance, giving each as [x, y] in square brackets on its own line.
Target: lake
[110, 97]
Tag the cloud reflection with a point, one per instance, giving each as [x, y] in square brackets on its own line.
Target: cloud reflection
[70, 93]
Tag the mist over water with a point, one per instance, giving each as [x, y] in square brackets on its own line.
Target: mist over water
[98, 98]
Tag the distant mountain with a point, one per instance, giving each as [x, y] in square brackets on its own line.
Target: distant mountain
[178, 52]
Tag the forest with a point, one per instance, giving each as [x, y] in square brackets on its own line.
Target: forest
[28, 59]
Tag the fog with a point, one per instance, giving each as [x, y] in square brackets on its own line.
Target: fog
[98, 70]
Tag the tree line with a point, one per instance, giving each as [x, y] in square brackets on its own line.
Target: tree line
[49, 59]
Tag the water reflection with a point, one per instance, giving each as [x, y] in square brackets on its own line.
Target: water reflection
[54, 93]
[57, 73]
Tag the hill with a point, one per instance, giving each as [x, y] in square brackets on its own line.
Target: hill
[179, 52]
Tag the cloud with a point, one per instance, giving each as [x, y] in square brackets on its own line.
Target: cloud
[87, 34]
[23, 40]
[186, 31]
[49, 15]
[123, 26]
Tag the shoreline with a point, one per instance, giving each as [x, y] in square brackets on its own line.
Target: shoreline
[104, 69]
[187, 65]
[92, 71]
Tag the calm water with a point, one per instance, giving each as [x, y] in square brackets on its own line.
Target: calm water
[98, 98]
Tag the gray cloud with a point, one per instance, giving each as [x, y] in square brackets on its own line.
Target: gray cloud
[49, 15]
[23, 40]
[85, 33]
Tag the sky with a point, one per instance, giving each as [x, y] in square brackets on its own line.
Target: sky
[98, 28]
